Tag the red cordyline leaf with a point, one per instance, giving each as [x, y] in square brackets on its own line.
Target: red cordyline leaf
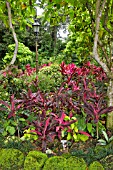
[68, 69]
[2, 109]
[84, 133]
[58, 128]
[79, 71]
[46, 125]
[35, 131]
[88, 64]
[11, 114]
[69, 130]
[61, 119]
[19, 106]
[67, 123]
[53, 114]
[5, 104]
[106, 110]
[70, 114]
[4, 74]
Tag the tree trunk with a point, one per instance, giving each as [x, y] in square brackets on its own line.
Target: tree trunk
[54, 38]
[13, 32]
[109, 122]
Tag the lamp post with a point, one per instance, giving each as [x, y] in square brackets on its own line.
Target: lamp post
[36, 31]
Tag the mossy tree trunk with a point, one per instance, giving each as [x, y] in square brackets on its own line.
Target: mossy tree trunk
[109, 123]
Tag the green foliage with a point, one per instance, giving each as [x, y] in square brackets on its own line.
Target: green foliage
[60, 162]
[75, 163]
[16, 143]
[34, 160]
[56, 163]
[74, 134]
[93, 153]
[24, 55]
[11, 159]
[77, 49]
[106, 139]
[49, 78]
[95, 166]
[22, 12]
[4, 95]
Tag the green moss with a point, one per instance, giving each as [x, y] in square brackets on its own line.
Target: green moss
[75, 163]
[11, 159]
[95, 166]
[34, 160]
[56, 163]
[49, 78]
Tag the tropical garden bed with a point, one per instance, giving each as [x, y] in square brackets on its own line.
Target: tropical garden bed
[61, 104]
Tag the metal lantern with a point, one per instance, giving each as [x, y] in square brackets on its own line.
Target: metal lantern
[36, 26]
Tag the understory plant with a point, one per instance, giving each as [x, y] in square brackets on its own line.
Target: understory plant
[70, 112]
[24, 55]
[106, 139]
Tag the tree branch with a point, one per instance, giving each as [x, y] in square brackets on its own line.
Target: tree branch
[99, 10]
[13, 32]
[104, 51]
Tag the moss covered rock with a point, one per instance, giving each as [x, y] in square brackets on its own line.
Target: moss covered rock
[56, 163]
[11, 159]
[50, 78]
[34, 160]
[96, 166]
[75, 163]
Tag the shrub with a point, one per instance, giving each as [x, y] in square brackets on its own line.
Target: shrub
[96, 166]
[75, 163]
[34, 160]
[49, 78]
[56, 163]
[24, 55]
[11, 159]
[61, 163]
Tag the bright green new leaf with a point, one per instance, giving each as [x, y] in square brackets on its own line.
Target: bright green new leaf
[11, 130]
[69, 136]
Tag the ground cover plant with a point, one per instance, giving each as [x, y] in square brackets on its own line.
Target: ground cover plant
[74, 111]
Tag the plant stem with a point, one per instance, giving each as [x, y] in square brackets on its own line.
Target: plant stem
[97, 130]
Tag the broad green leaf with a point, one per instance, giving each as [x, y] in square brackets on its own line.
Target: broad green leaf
[102, 142]
[22, 119]
[83, 138]
[72, 126]
[111, 138]
[105, 135]
[89, 127]
[76, 129]
[75, 137]
[69, 136]
[11, 130]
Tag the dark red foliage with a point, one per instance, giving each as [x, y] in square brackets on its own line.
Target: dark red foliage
[29, 70]
[80, 90]
[49, 127]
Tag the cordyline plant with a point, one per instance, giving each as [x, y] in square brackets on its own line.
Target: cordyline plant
[83, 82]
[80, 90]
[49, 127]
